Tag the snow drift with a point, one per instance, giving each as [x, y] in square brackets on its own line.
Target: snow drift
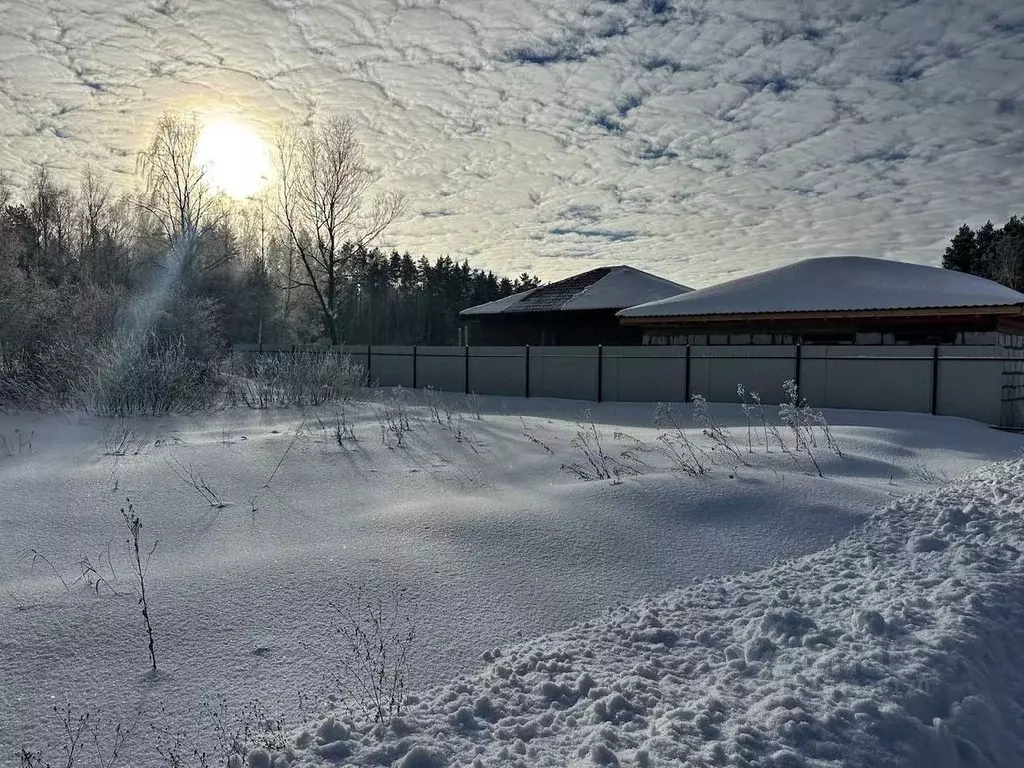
[894, 647]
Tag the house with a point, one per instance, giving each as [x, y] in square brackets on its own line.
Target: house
[835, 301]
[576, 311]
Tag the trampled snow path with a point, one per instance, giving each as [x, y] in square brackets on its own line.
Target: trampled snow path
[898, 646]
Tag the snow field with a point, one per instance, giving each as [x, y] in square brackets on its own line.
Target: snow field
[476, 522]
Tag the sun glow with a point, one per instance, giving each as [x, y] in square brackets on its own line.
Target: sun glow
[235, 159]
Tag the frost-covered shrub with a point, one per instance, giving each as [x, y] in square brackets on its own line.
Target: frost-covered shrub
[596, 463]
[377, 637]
[684, 454]
[802, 421]
[294, 379]
[147, 375]
[719, 437]
[83, 347]
[46, 339]
[393, 419]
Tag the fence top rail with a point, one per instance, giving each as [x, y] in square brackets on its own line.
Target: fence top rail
[519, 353]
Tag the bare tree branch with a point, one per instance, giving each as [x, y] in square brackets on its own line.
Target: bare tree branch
[323, 177]
[177, 194]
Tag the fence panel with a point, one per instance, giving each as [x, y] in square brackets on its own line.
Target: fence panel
[391, 366]
[643, 374]
[442, 368]
[874, 378]
[569, 372]
[498, 371]
[970, 388]
[715, 372]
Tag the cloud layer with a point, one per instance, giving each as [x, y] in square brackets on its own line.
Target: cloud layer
[696, 139]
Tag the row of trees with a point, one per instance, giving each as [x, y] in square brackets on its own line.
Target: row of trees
[298, 264]
[990, 252]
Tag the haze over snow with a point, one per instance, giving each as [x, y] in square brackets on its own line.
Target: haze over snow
[699, 140]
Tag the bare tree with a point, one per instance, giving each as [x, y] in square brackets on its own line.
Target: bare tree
[177, 194]
[6, 190]
[94, 195]
[53, 211]
[323, 178]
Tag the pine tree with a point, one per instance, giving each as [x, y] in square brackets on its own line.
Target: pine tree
[962, 252]
[985, 240]
[996, 254]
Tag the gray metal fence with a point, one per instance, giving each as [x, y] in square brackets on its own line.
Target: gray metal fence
[946, 380]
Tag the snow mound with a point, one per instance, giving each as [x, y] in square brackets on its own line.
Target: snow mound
[895, 647]
[838, 283]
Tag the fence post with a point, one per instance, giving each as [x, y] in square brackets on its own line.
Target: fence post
[935, 380]
[527, 370]
[414, 366]
[467, 369]
[600, 371]
[686, 390]
[369, 365]
[797, 365]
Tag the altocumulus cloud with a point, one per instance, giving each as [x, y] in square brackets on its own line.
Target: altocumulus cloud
[697, 139]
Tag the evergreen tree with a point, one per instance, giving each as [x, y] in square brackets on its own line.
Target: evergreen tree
[996, 254]
[962, 252]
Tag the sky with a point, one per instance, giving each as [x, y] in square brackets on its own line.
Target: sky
[698, 140]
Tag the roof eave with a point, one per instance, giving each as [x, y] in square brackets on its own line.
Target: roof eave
[1000, 309]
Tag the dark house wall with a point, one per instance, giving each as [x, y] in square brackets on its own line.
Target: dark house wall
[550, 329]
[964, 329]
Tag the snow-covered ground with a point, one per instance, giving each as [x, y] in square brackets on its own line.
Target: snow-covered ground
[494, 543]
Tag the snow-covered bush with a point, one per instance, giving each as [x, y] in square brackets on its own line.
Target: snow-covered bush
[83, 734]
[307, 378]
[47, 334]
[223, 736]
[81, 347]
[147, 375]
[438, 407]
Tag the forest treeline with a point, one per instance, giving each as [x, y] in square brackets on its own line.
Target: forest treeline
[85, 253]
[996, 253]
[124, 302]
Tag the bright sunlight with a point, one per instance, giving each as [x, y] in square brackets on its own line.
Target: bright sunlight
[235, 158]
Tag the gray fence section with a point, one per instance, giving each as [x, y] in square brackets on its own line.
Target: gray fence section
[498, 371]
[963, 381]
[442, 368]
[644, 374]
[716, 372]
[564, 372]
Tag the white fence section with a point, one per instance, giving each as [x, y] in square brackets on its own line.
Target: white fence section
[963, 381]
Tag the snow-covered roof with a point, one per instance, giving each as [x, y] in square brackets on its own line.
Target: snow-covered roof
[602, 288]
[835, 284]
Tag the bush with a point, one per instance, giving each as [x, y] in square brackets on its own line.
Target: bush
[294, 379]
[62, 350]
[47, 336]
[147, 375]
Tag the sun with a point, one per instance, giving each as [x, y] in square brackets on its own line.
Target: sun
[234, 157]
